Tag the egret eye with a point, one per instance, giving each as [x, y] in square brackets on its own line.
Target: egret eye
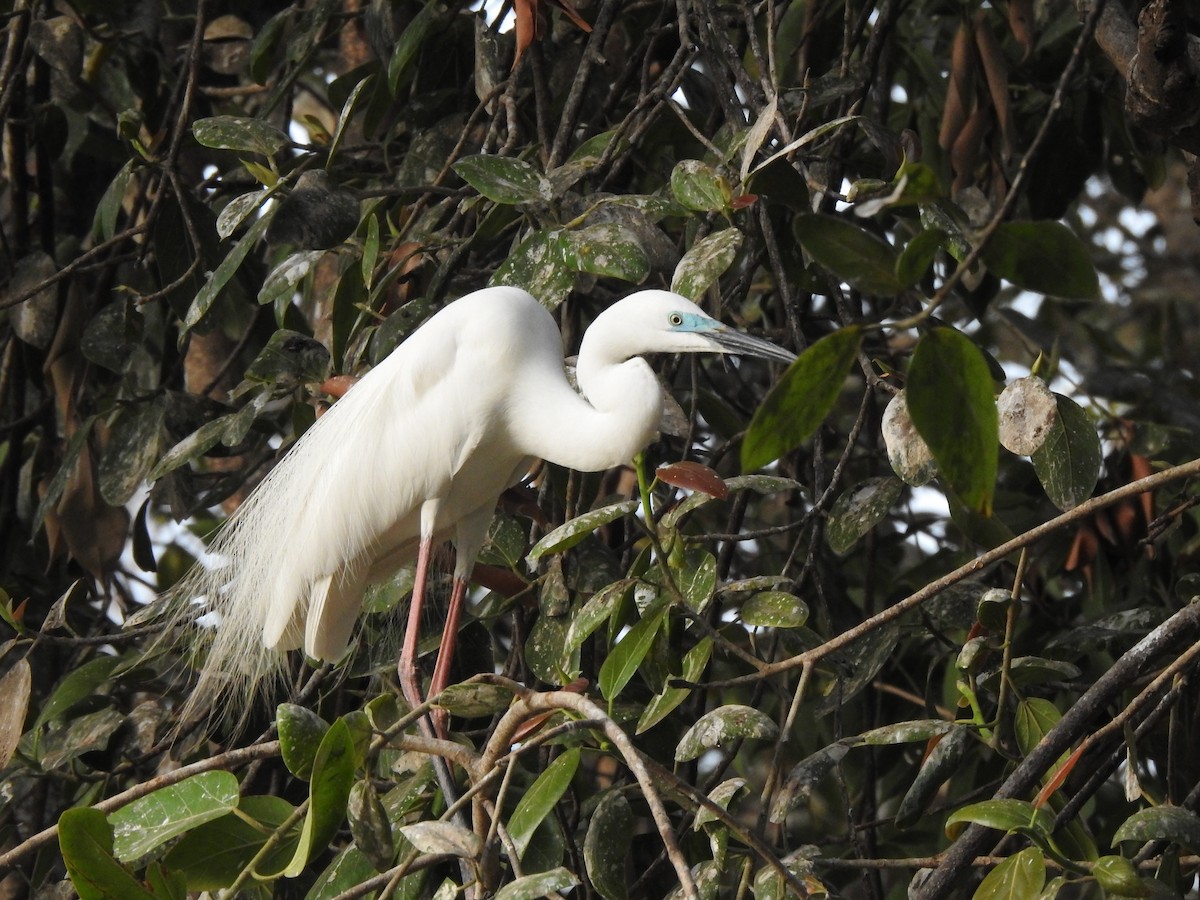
[675, 319]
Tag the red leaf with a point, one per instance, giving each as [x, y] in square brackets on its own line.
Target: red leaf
[693, 477]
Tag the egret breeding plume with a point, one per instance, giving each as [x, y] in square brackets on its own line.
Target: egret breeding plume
[417, 453]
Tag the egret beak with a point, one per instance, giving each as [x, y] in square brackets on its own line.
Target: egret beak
[730, 340]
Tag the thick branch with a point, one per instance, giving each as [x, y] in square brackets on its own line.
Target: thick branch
[1182, 627]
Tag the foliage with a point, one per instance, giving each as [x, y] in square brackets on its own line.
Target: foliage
[808, 679]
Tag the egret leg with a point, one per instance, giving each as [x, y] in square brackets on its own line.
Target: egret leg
[441, 671]
[409, 684]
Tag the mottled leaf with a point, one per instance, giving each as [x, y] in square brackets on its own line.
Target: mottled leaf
[540, 265]
[722, 726]
[803, 777]
[503, 179]
[442, 838]
[698, 186]
[239, 133]
[860, 509]
[535, 887]
[567, 535]
[774, 609]
[132, 448]
[705, 262]
[940, 765]
[281, 283]
[606, 846]
[608, 250]
[1068, 461]
[1161, 823]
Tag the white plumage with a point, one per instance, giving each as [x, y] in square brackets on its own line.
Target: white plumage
[417, 453]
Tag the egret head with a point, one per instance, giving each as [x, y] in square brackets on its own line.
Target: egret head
[663, 322]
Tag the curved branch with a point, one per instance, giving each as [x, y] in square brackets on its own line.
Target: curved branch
[974, 567]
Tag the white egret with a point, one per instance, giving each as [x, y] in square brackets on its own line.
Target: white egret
[417, 453]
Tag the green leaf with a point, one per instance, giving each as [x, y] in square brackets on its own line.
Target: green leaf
[705, 262]
[723, 726]
[1119, 877]
[535, 887]
[1162, 823]
[854, 255]
[1003, 815]
[951, 401]
[801, 399]
[570, 533]
[329, 790]
[541, 797]
[1034, 718]
[698, 186]
[211, 855]
[1046, 257]
[224, 271]
[370, 253]
[348, 108]
[918, 255]
[77, 685]
[608, 250]
[151, 821]
[104, 223]
[663, 703]
[607, 844]
[774, 609]
[1068, 462]
[1020, 876]
[86, 840]
[241, 134]
[860, 509]
[411, 40]
[301, 732]
[623, 661]
[503, 179]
